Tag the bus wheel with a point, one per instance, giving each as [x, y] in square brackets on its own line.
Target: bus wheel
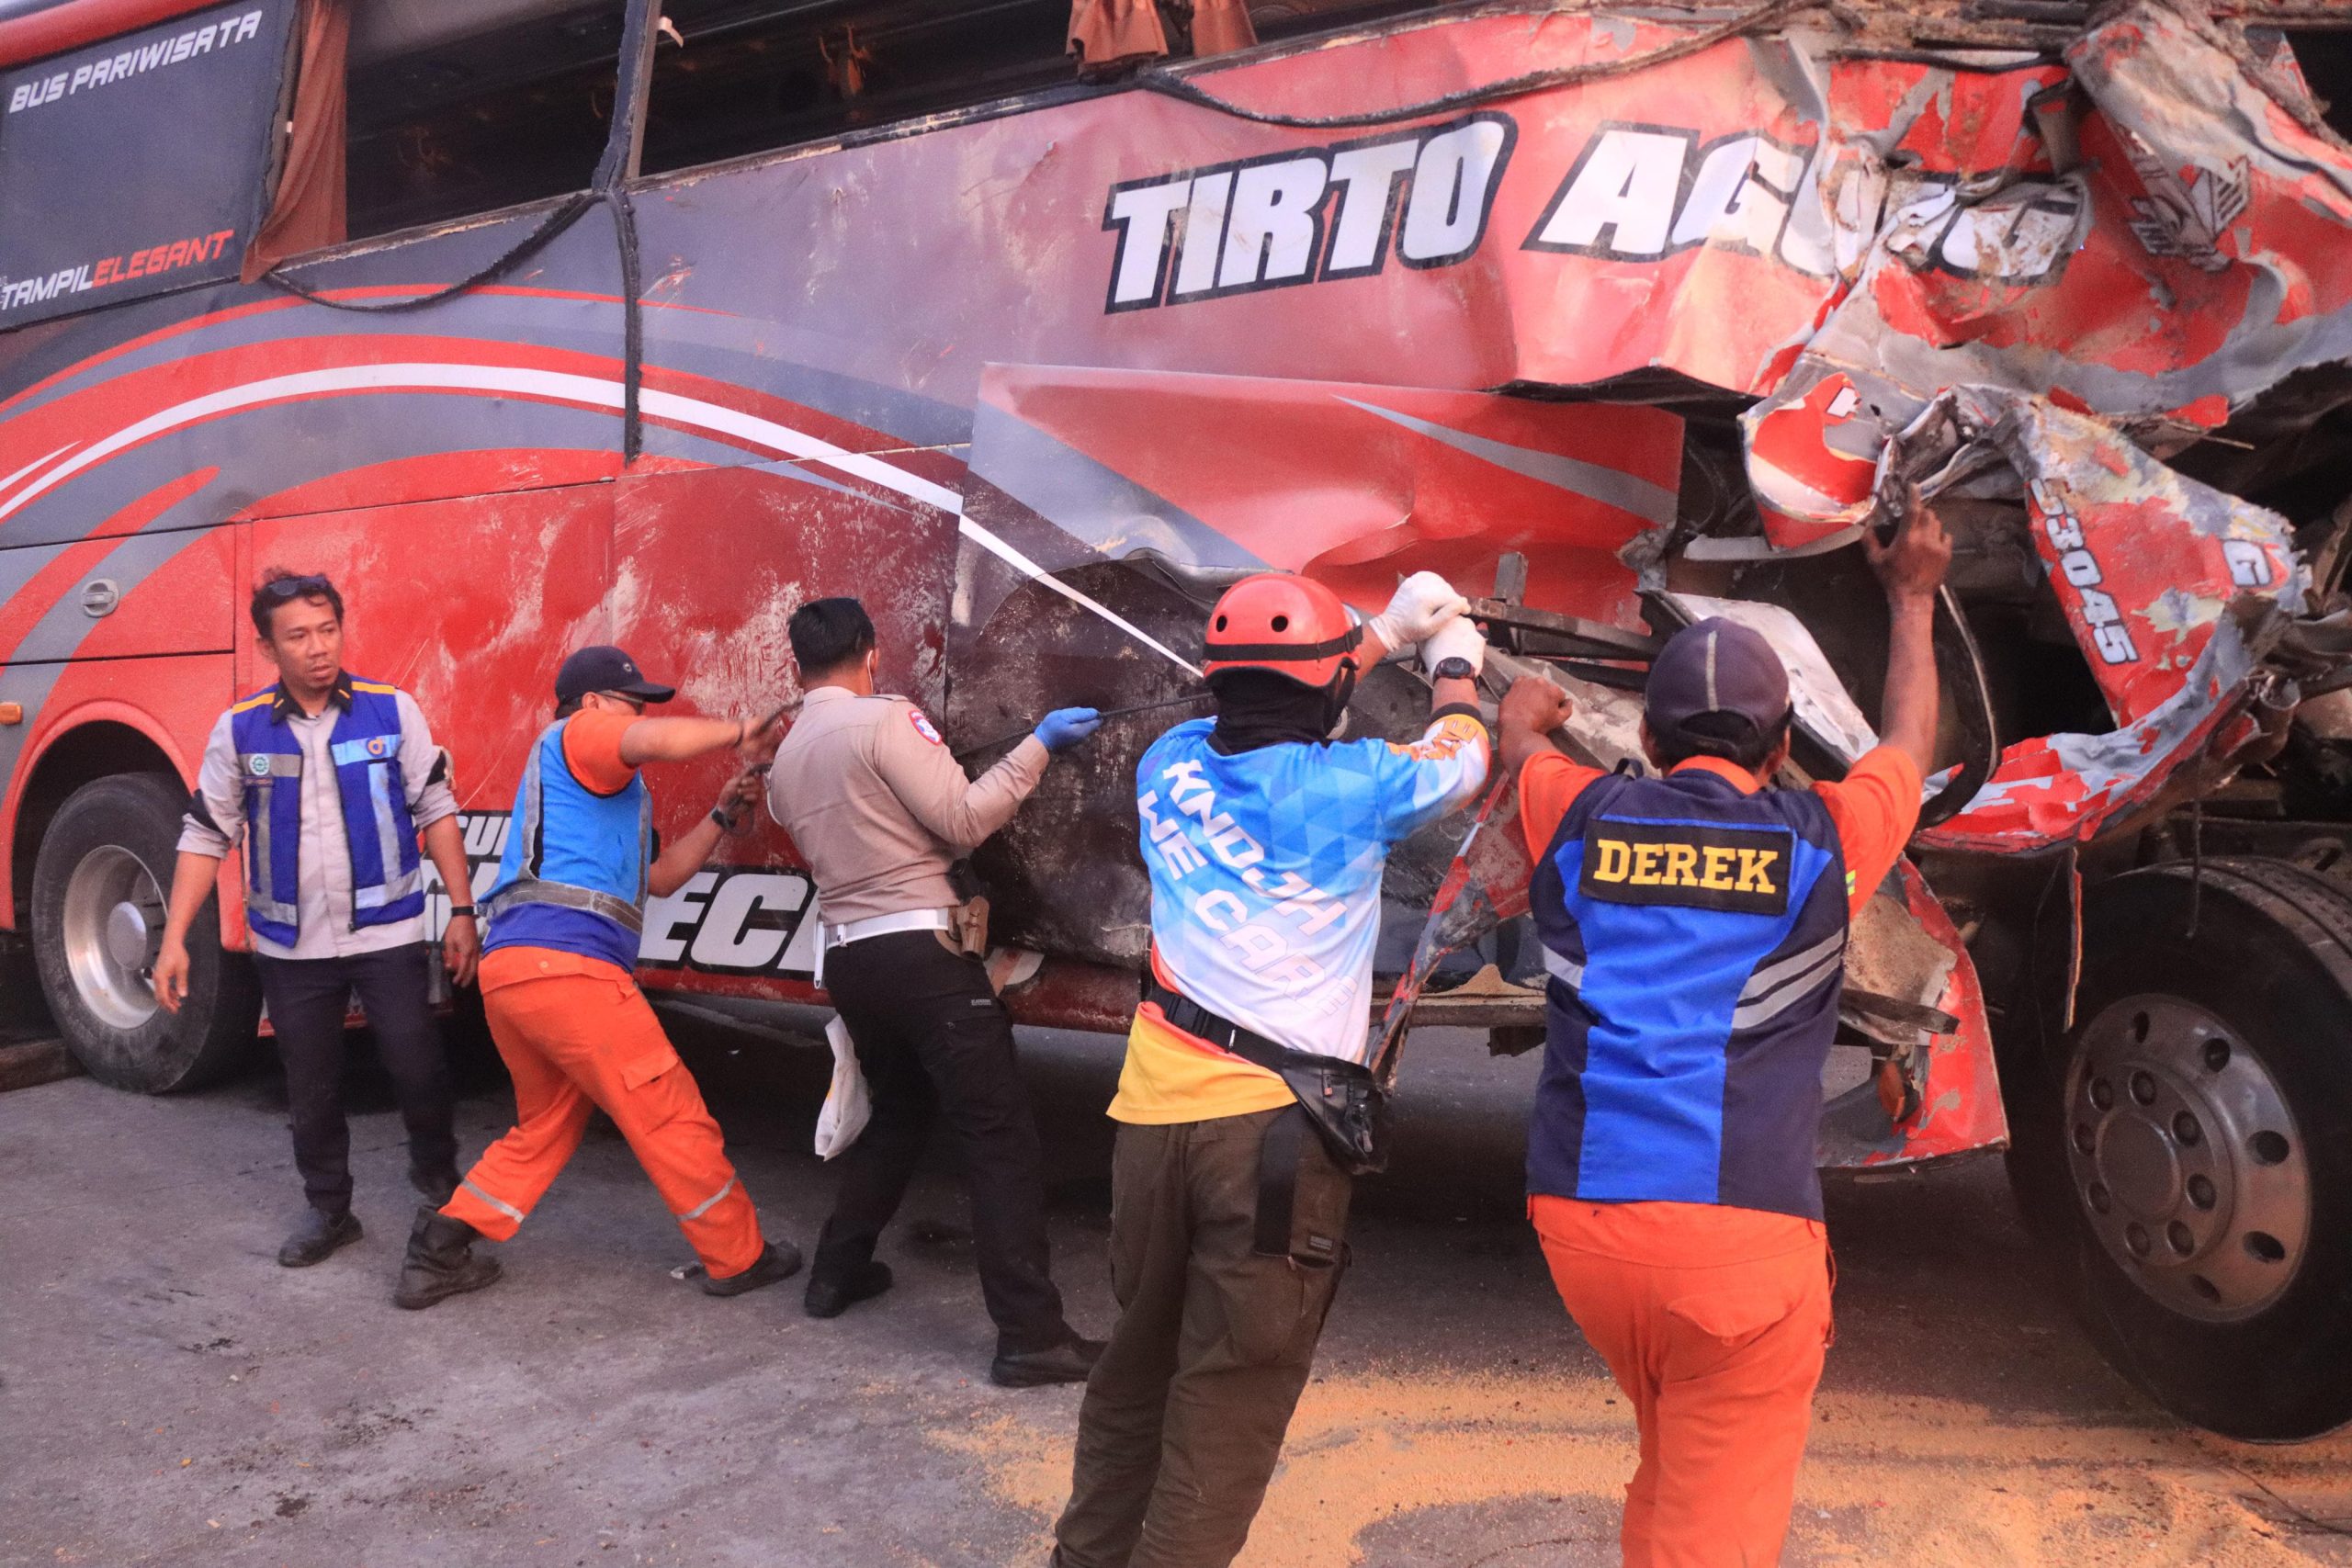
[2203, 1135]
[100, 883]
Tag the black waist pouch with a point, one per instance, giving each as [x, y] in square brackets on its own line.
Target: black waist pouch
[1341, 1101]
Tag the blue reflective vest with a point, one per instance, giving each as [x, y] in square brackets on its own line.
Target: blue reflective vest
[573, 875]
[1695, 939]
[387, 884]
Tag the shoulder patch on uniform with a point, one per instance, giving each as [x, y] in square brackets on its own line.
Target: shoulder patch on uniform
[1738, 870]
[923, 726]
[257, 700]
[376, 686]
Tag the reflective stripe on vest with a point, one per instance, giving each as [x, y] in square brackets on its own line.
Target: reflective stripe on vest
[387, 868]
[1694, 939]
[572, 847]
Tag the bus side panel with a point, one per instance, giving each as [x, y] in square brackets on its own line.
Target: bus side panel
[169, 702]
[121, 598]
[79, 621]
[470, 604]
[235, 401]
[708, 569]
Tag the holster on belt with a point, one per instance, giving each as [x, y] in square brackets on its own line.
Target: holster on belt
[1341, 1100]
[969, 934]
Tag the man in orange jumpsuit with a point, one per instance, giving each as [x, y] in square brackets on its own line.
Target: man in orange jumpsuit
[573, 1029]
[1671, 1155]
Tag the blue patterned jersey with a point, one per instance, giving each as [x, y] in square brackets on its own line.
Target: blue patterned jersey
[1265, 868]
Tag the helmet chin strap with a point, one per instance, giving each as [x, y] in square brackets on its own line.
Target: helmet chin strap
[1337, 696]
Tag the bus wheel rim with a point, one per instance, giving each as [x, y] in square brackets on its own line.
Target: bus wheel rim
[2188, 1163]
[113, 922]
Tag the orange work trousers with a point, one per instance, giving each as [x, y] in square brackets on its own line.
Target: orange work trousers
[576, 1043]
[1715, 1322]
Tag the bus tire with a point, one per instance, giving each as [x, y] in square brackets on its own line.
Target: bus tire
[2197, 1129]
[99, 884]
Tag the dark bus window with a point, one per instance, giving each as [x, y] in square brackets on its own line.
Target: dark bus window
[463, 108]
[460, 109]
[756, 74]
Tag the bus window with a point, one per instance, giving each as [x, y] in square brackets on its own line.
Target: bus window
[459, 109]
[456, 110]
[782, 76]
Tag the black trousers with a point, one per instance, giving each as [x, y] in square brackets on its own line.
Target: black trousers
[936, 1045]
[309, 1000]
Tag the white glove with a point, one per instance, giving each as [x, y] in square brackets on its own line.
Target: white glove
[1423, 603]
[1458, 638]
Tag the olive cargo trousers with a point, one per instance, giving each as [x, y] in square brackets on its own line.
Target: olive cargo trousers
[1184, 1416]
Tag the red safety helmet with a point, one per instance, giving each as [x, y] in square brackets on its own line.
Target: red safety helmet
[1292, 626]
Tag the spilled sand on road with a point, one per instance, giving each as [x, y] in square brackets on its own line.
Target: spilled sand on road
[1933, 1484]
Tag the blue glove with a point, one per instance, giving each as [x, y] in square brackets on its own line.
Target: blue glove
[1067, 727]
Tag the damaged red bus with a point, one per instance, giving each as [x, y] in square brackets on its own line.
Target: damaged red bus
[538, 323]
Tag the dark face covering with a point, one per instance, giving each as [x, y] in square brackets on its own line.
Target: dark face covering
[1257, 707]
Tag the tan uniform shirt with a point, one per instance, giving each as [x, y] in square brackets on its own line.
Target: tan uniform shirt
[878, 807]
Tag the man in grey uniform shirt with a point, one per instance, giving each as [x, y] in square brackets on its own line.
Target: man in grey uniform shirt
[330, 779]
[879, 809]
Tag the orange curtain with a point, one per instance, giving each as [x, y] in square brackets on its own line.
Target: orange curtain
[1220, 27]
[1110, 36]
[309, 209]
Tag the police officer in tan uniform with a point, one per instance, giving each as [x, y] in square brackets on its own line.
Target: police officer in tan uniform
[880, 811]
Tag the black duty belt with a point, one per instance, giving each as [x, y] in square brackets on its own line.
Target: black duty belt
[1339, 1099]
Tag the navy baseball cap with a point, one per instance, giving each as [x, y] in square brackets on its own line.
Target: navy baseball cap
[604, 669]
[1721, 674]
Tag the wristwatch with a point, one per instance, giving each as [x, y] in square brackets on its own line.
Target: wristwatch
[465, 909]
[1454, 668]
[726, 824]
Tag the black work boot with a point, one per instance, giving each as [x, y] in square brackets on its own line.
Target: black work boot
[440, 1262]
[773, 1263]
[1068, 1361]
[318, 1236]
[830, 1295]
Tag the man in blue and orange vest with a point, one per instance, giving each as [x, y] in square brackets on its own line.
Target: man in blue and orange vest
[329, 780]
[557, 983]
[1694, 926]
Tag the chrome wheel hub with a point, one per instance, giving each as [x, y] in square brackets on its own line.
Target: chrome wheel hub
[113, 924]
[2188, 1164]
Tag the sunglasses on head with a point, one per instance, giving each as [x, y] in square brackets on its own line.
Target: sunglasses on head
[287, 588]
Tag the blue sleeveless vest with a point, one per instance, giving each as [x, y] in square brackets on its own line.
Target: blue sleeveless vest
[573, 875]
[387, 885]
[1695, 939]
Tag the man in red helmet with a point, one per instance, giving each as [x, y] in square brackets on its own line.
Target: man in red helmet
[1265, 838]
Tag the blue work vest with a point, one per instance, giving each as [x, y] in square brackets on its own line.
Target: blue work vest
[573, 875]
[387, 885]
[1695, 939]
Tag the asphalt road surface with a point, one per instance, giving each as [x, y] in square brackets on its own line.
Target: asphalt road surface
[168, 1394]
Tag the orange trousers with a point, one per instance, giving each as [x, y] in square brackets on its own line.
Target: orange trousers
[582, 1042]
[1714, 1321]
